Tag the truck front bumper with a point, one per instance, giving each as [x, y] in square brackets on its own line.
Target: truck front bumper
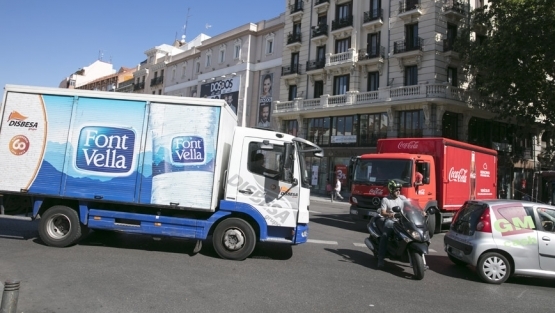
[361, 214]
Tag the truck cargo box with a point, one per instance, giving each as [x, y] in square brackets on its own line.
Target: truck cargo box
[129, 148]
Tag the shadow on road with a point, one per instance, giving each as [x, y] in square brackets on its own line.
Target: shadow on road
[342, 221]
[18, 228]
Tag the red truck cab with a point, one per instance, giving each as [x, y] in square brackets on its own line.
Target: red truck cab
[452, 172]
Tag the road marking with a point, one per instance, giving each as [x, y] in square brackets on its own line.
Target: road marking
[322, 242]
[314, 212]
[358, 244]
[432, 250]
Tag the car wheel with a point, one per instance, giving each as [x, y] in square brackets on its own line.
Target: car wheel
[493, 268]
[456, 261]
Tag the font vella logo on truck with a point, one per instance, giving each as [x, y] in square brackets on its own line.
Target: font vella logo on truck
[105, 149]
[187, 150]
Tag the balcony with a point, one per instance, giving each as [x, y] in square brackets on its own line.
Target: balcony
[372, 19]
[293, 41]
[454, 11]
[294, 69]
[409, 10]
[340, 62]
[321, 5]
[342, 23]
[315, 66]
[404, 46]
[383, 97]
[296, 11]
[138, 86]
[156, 81]
[374, 52]
[320, 32]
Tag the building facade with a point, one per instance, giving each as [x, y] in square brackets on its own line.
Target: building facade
[355, 71]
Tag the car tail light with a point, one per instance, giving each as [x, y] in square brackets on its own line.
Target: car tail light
[484, 223]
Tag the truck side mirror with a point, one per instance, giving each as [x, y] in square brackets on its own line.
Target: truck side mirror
[287, 164]
[426, 173]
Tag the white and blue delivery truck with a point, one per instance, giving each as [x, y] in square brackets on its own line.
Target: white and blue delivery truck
[150, 164]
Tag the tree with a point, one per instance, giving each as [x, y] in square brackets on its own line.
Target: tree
[512, 68]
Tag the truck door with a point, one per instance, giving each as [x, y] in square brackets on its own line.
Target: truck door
[263, 185]
[423, 191]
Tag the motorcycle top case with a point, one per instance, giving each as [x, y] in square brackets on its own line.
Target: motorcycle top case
[128, 148]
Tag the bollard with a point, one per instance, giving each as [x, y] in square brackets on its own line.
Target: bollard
[10, 296]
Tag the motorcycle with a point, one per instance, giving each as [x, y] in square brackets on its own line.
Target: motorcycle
[410, 238]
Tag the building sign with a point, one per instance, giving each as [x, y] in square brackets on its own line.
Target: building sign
[265, 101]
[344, 139]
[227, 89]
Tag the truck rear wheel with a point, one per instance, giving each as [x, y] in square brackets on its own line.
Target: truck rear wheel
[234, 239]
[59, 226]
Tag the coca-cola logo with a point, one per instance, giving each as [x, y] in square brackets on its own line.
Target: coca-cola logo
[458, 176]
[408, 145]
[375, 191]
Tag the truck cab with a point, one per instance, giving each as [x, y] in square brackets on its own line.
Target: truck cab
[370, 174]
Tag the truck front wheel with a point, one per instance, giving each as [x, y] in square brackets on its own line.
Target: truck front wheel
[59, 226]
[234, 239]
[431, 224]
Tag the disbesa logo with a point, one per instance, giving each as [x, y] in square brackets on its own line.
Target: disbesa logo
[458, 176]
[16, 119]
[105, 149]
[187, 150]
[408, 145]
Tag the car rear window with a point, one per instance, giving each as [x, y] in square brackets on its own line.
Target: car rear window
[467, 218]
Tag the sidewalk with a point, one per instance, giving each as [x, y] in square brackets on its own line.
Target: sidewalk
[324, 198]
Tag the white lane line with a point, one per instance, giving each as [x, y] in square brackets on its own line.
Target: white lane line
[314, 212]
[432, 250]
[322, 242]
[358, 244]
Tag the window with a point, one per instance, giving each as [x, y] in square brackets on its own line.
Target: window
[265, 162]
[322, 19]
[173, 73]
[295, 62]
[411, 123]
[318, 130]
[411, 75]
[237, 49]
[372, 128]
[269, 45]
[296, 28]
[292, 92]
[373, 81]
[343, 130]
[222, 56]
[373, 45]
[321, 54]
[343, 12]
[451, 36]
[198, 67]
[208, 60]
[291, 127]
[341, 84]
[342, 45]
[318, 88]
[450, 125]
[452, 76]
[412, 42]
[183, 70]
[547, 218]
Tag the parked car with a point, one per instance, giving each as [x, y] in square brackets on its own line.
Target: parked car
[503, 238]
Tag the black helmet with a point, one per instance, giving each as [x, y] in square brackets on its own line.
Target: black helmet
[392, 185]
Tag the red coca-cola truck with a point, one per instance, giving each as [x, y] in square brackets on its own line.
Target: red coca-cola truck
[451, 173]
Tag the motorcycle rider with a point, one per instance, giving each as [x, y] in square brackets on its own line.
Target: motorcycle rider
[388, 216]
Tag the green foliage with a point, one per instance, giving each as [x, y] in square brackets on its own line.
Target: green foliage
[513, 69]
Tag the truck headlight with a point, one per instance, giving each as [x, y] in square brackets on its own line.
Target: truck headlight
[355, 212]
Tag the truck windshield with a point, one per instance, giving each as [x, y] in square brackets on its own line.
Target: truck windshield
[381, 171]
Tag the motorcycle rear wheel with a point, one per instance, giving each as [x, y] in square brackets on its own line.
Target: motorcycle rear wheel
[417, 265]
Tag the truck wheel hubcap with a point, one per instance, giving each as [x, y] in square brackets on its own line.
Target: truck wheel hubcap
[58, 226]
[234, 239]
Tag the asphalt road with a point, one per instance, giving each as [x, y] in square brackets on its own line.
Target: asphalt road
[333, 272]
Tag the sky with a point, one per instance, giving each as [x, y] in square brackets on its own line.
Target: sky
[43, 42]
